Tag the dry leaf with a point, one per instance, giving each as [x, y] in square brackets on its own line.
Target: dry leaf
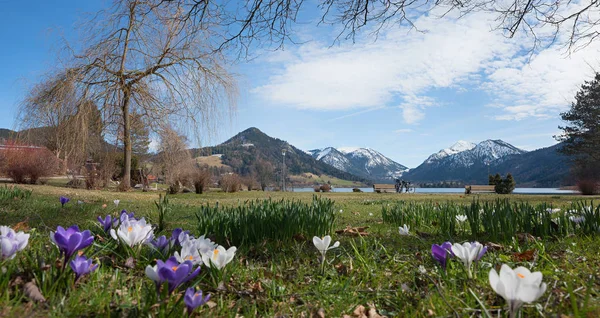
[299, 237]
[373, 313]
[360, 311]
[494, 246]
[321, 313]
[130, 262]
[353, 231]
[525, 237]
[525, 256]
[33, 292]
[21, 226]
[211, 304]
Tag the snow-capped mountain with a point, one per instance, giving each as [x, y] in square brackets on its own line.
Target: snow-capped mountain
[459, 146]
[364, 162]
[461, 160]
[332, 157]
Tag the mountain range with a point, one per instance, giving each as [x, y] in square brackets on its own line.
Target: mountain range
[363, 162]
[466, 162]
[462, 163]
[245, 150]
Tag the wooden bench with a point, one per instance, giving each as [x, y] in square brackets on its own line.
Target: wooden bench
[384, 188]
[475, 188]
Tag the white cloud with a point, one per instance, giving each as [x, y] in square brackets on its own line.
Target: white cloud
[399, 66]
[402, 68]
[403, 131]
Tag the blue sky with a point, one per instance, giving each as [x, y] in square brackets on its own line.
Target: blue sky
[407, 95]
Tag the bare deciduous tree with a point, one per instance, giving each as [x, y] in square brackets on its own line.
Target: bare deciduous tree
[53, 116]
[142, 59]
[175, 159]
[272, 20]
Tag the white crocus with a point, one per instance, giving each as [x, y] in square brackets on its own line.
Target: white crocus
[550, 210]
[404, 230]
[467, 253]
[577, 219]
[219, 257]
[517, 286]
[461, 218]
[189, 252]
[11, 242]
[322, 244]
[133, 232]
[152, 273]
[116, 202]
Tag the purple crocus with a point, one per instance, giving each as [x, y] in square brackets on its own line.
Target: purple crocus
[64, 200]
[175, 235]
[193, 299]
[107, 223]
[81, 266]
[126, 216]
[71, 240]
[481, 251]
[161, 244]
[442, 252]
[175, 273]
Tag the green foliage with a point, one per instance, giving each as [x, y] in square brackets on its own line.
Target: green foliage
[581, 136]
[260, 220]
[164, 209]
[500, 220]
[13, 193]
[502, 186]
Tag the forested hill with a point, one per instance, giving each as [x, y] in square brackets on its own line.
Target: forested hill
[250, 147]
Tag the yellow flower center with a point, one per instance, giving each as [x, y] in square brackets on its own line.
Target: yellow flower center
[521, 275]
[80, 253]
[129, 229]
[196, 294]
[215, 253]
[189, 258]
[174, 268]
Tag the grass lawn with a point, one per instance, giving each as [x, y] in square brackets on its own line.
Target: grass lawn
[393, 274]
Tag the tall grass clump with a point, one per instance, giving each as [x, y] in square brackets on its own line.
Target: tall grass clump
[13, 193]
[499, 220]
[260, 220]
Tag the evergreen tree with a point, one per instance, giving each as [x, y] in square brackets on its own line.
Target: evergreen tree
[581, 136]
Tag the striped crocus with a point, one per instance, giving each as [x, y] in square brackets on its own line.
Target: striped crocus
[133, 232]
[468, 253]
[11, 242]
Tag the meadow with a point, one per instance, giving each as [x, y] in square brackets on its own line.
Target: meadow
[278, 272]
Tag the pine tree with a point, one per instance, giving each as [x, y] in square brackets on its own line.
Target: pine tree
[581, 136]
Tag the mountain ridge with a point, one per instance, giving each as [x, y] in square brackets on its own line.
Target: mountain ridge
[365, 162]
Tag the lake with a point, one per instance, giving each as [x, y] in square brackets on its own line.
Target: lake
[454, 190]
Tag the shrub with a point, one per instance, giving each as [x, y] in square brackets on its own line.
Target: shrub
[502, 186]
[201, 180]
[325, 188]
[230, 183]
[588, 187]
[29, 164]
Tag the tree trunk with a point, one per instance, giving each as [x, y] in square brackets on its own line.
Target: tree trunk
[126, 142]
